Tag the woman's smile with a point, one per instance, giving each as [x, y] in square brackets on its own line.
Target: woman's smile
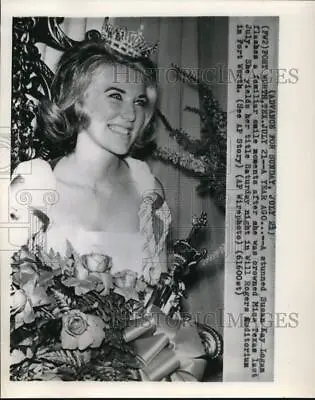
[120, 130]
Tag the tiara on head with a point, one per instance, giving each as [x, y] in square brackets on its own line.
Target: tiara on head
[127, 43]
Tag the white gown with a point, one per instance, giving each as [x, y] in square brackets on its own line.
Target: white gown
[34, 188]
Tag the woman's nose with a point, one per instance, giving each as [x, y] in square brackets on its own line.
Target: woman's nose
[129, 113]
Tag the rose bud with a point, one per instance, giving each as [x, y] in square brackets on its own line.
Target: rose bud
[96, 262]
[80, 331]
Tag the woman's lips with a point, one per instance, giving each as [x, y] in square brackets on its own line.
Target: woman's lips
[120, 130]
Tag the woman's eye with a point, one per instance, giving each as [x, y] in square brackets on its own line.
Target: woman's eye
[141, 102]
[116, 96]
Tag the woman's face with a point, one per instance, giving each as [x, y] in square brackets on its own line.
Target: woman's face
[119, 106]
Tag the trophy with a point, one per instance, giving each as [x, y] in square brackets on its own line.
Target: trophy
[171, 288]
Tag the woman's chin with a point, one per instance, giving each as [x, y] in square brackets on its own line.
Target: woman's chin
[119, 147]
[118, 151]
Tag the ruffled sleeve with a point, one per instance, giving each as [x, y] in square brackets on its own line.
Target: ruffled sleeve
[31, 193]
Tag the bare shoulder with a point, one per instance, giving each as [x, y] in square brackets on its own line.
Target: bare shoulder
[31, 172]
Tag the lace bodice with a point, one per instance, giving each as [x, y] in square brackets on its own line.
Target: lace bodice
[33, 192]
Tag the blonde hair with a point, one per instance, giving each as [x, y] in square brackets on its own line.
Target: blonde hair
[59, 120]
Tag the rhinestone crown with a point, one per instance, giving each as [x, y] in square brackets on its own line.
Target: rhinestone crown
[128, 43]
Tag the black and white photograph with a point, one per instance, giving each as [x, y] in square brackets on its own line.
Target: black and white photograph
[119, 163]
[142, 198]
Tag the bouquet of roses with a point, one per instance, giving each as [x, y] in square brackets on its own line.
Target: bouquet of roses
[68, 315]
[72, 319]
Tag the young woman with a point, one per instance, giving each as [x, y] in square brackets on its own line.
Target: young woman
[107, 202]
[98, 197]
